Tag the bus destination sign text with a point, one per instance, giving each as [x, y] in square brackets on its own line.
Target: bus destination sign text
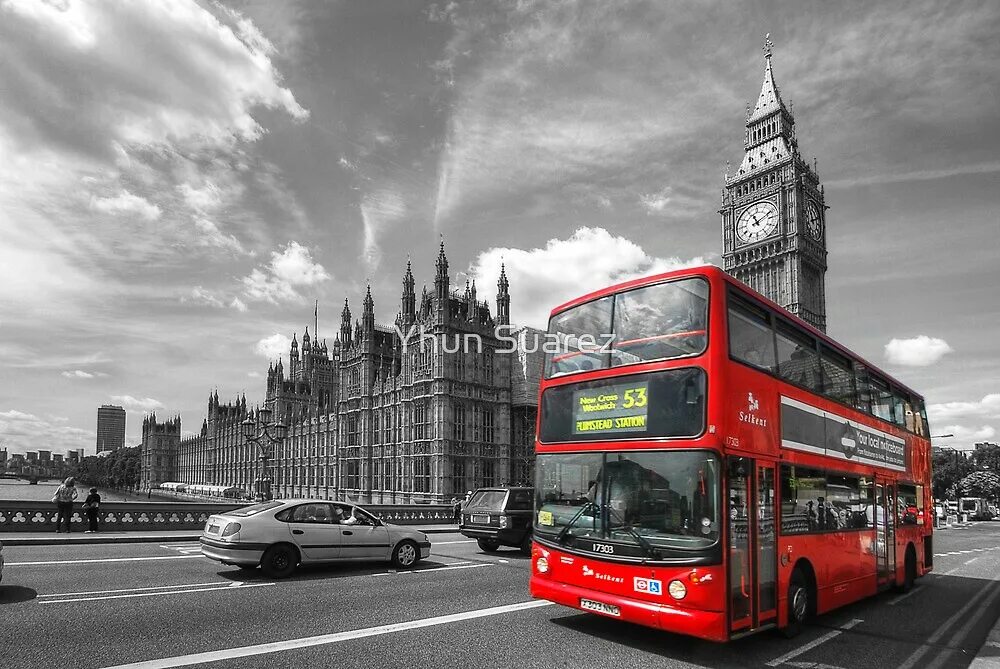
[614, 408]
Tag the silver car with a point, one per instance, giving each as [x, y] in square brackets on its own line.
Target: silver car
[281, 534]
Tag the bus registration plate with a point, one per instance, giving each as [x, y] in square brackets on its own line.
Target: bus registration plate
[600, 607]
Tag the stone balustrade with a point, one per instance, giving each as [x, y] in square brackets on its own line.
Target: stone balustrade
[34, 516]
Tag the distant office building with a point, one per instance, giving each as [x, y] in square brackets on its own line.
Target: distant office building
[110, 428]
[44, 456]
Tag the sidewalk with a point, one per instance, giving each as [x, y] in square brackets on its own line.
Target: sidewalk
[141, 536]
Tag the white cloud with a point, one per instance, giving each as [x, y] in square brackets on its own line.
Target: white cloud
[655, 203]
[27, 432]
[212, 236]
[273, 347]
[988, 406]
[238, 305]
[137, 403]
[919, 351]
[379, 210]
[199, 295]
[126, 203]
[965, 437]
[280, 280]
[80, 374]
[201, 199]
[542, 278]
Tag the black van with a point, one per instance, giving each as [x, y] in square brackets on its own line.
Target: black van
[499, 517]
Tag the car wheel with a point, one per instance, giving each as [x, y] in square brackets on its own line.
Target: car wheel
[405, 554]
[489, 545]
[798, 604]
[279, 561]
[526, 544]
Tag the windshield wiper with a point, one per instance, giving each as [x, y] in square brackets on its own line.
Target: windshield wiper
[564, 532]
[647, 547]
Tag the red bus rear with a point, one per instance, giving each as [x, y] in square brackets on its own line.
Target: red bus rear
[709, 464]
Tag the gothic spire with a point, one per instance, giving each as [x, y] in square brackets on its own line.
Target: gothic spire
[368, 315]
[769, 100]
[503, 297]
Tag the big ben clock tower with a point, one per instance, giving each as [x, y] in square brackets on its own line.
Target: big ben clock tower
[773, 212]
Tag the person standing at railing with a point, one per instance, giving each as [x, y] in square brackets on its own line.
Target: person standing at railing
[92, 505]
[64, 497]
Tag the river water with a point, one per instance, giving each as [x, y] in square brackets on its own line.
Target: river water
[43, 491]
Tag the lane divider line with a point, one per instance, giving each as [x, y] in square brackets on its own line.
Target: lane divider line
[421, 571]
[151, 587]
[912, 660]
[912, 591]
[326, 639]
[94, 560]
[964, 630]
[227, 588]
[812, 644]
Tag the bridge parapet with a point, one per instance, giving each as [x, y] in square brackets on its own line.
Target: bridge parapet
[35, 516]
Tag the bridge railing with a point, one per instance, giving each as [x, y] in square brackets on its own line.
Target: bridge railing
[35, 516]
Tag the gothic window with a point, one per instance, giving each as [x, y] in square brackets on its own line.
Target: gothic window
[489, 473]
[421, 474]
[353, 430]
[459, 364]
[353, 474]
[421, 420]
[458, 474]
[375, 424]
[487, 416]
[459, 426]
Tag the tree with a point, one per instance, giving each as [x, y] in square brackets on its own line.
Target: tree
[980, 484]
[949, 468]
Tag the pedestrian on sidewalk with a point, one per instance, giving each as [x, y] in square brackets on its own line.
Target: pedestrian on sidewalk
[92, 505]
[64, 498]
[456, 510]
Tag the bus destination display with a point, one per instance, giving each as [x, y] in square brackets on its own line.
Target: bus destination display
[614, 408]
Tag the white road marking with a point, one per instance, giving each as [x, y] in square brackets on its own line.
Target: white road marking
[131, 559]
[812, 644]
[156, 594]
[326, 639]
[445, 543]
[421, 571]
[152, 587]
[964, 630]
[897, 600]
[942, 630]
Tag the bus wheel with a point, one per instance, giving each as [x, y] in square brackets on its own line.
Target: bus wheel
[798, 604]
[526, 544]
[909, 570]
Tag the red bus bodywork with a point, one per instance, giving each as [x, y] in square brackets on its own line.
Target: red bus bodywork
[843, 566]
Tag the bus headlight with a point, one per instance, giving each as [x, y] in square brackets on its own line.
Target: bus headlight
[542, 565]
[677, 589]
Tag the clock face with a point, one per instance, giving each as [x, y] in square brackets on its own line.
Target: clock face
[814, 225]
[757, 222]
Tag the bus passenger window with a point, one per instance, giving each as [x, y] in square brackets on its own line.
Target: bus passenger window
[797, 358]
[881, 398]
[750, 337]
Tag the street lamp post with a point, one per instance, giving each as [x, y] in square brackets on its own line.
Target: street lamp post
[260, 431]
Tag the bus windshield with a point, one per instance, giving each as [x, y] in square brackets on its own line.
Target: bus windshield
[657, 322]
[660, 499]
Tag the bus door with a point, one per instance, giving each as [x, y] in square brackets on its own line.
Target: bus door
[885, 532]
[752, 559]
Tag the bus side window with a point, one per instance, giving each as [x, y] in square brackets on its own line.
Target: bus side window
[798, 361]
[750, 337]
[881, 398]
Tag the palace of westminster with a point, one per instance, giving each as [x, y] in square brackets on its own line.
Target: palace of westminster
[374, 421]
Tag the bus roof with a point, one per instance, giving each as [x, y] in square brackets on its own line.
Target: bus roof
[712, 270]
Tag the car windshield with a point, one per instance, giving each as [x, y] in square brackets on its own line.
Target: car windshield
[666, 499]
[254, 509]
[487, 499]
[657, 322]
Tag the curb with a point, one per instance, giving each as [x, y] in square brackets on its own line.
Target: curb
[45, 540]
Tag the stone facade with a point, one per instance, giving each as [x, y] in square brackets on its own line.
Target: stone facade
[441, 402]
[774, 213]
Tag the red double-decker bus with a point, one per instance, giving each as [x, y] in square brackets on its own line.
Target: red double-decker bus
[709, 464]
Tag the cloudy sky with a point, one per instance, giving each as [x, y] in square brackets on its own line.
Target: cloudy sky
[181, 180]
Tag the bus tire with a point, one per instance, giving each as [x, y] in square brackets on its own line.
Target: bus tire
[909, 570]
[279, 561]
[799, 603]
[489, 545]
[526, 544]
